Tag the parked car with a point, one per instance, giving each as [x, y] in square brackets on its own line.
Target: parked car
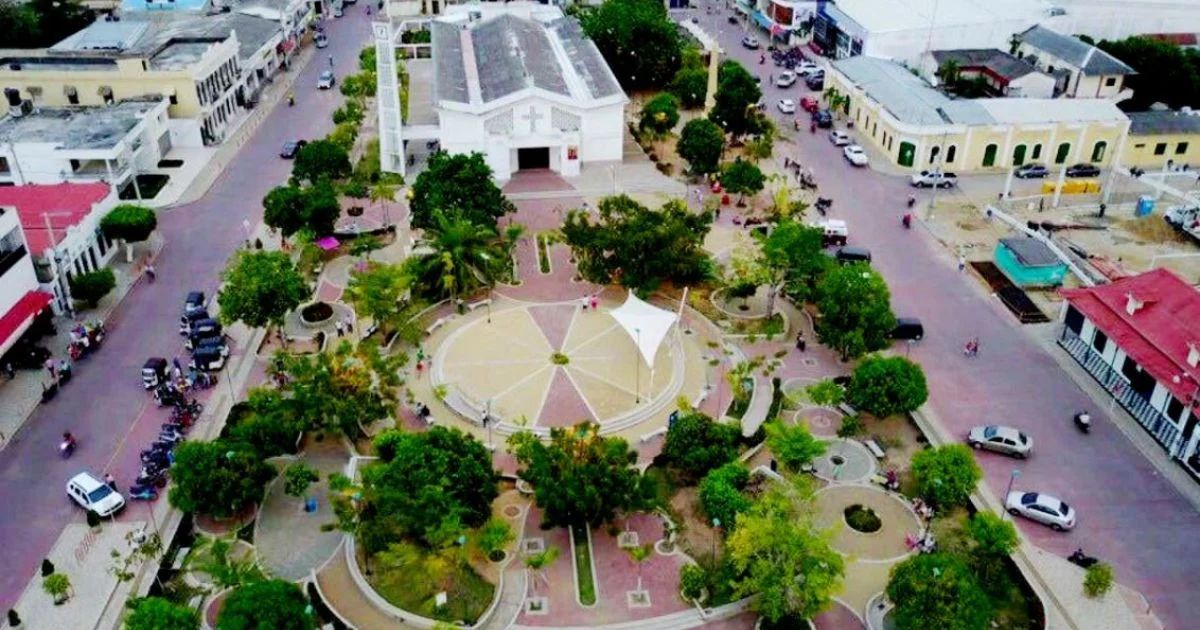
[786, 79]
[833, 231]
[1002, 439]
[1042, 508]
[816, 81]
[326, 80]
[855, 155]
[291, 148]
[809, 104]
[839, 138]
[195, 300]
[806, 68]
[824, 119]
[321, 40]
[1083, 170]
[787, 106]
[750, 42]
[908, 329]
[851, 254]
[94, 495]
[1031, 171]
[929, 179]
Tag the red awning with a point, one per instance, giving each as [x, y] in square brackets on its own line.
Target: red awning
[18, 318]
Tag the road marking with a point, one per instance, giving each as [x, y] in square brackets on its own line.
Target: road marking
[121, 445]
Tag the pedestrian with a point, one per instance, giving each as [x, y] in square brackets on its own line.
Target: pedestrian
[175, 363]
[1041, 204]
[340, 328]
[349, 325]
[150, 273]
[988, 217]
[330, 61]
[801, 343]
[787, 161]
[8, 371]
[50, 368]
[962, 263]
[770, 79]
[110, 482]
[595, 302]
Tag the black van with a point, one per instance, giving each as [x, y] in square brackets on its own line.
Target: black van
[908, 329]
[851, 254]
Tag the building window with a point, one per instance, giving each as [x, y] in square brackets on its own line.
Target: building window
[950, 153]
[989, 155]
[1018, 155]
[1099, 150]
[1181, 148]
[1175, 409]
[72, 94]
[1036, 154]
[1141, 145]
[4, 165]
[933, 154]
[907, 151]
[106, 94]
[35, 94]
[1160, 148]
[874, 128]
[1064, 150]
[1110, 81]
[1100, 341]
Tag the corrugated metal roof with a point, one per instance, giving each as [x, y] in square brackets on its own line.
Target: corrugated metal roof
[450, 81]
[518, 55]
[1031, 252]
[908, 97]
[998, 61]
[586, 59]
[1051, 110]
[1090, 60]
[1159, 123]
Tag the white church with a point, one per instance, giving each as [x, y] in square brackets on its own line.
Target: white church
[521, 84]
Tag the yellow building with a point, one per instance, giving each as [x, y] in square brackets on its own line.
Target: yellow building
[917, 126]
[1160, 140]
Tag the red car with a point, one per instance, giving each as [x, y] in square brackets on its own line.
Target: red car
[809, 104]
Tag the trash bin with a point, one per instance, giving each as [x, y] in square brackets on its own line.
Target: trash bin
[310, 505]
[1145, 205]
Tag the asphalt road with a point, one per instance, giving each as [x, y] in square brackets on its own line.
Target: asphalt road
[104, 404]
[1128, 514]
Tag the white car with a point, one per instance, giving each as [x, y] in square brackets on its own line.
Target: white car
[786, 79]
[1001, 439]
[806, 68]
[1042, 508]
[855, 155]
[787, 106]
[93, 495]
[321, 40]
[750, 42]
[839, 138]
[337, 12]
[929, 179]
[326, 80]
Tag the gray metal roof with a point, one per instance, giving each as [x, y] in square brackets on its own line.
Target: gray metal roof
[151, 35]
[1090, 60]
[514, 54]
[450, 80]
[585, 58]
[1003, 64]
[908, 97]
[1161, 123]
[77, 127]
[1031, 252]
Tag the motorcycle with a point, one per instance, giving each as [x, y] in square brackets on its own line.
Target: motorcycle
[906, 221]
[1082, 559]
[1083, 421]
[912, 201]
[143, 493]
[158, 480]
[67, 448]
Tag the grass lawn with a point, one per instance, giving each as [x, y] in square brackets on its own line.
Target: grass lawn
[583, 566]
[411, 588]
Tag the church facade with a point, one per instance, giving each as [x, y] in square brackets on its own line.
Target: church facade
[522, 85]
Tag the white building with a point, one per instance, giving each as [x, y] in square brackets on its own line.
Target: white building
[20, 299]
[521, 84]
[782, 19]
[1118, 19]
[1080, 69]
[113, 144]
[1004, 74]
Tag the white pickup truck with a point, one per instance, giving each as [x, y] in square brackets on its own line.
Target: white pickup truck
[1186, 219]
[929, 179]
[834, 231]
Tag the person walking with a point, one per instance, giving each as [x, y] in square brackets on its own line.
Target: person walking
[110, 482]
[962, 263]
[340, 328]
[330, 61]
[801, 343]
[8, 371]
[349, 325]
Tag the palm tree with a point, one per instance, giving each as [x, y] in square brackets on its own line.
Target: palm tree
[832, 97]
[537, 564]
[382, 193]
[949, 73]
[464, 255]
[639, 555]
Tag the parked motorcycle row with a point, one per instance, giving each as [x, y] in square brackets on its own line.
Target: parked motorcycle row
[788, 59]
[86, 338]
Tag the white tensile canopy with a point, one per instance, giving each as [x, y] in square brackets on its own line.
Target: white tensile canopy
[646, 324]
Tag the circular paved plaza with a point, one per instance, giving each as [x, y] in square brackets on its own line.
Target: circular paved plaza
[887, 543]
[555, 365]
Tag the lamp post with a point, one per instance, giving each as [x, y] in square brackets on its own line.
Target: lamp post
[637, 379]
[1012, 476]
[716, 523]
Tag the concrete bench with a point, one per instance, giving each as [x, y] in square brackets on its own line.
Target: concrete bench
[436, 325]
[875, 449]
[653, 434]
[847, 409]
[180, 557]
[701, 398]
[195, 602]
[478, 304]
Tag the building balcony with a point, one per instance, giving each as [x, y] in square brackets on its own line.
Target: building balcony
[1152, 420]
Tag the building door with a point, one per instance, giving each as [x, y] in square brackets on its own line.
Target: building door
[989, 155]
[907, 151]
[1019, 155]
[534, 158]
[1061, 155]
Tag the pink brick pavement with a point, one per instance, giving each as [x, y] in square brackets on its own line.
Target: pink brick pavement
[564, 406]
[535, 181]
[618, 574]
[564, 607]
[838, 618]
[554, 320]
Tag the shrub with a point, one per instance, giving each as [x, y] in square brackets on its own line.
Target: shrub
[721, 494]
[862, 519]
[660, 114]
[91, 287]
[886, 386]
[1098, 580]
[851, 426]
[696, 444]
[692, 580]
[946, 475]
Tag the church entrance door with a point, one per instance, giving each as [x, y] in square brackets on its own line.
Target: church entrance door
[535, 158]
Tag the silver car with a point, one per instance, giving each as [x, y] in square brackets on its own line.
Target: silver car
[1042, 508]
[1001, 439]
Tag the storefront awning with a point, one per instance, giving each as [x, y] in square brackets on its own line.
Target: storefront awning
[761, 19]
[18, 318]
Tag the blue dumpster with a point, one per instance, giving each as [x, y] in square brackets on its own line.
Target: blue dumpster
[1145, 205]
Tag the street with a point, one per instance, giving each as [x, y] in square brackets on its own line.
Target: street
[105, 406]
[1128, 515]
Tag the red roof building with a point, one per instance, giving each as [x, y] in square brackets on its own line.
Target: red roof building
[48, 211]
[1140, 337]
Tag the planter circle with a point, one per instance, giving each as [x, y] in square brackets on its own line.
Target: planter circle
[498, 557]
[354, 211]
[315, 314]
[862, 519]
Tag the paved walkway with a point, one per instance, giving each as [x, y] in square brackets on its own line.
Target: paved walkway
[342, 595]
[289, 540]
[897, 521]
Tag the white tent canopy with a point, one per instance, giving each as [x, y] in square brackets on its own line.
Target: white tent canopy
[646, 324]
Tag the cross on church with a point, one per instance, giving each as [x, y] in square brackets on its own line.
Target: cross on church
[533, 116]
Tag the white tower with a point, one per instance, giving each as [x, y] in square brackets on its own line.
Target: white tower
[387, 98]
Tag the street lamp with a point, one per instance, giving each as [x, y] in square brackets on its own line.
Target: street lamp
[637, 381]
[1016, 472]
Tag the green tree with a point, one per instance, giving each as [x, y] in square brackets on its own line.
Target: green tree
[493, 537]
[992, 540]
[886, 386]
[284, 209]
[742, 178]
[762, 144]
[217, 478]
[321, 159]
[157, 613]
[793, 255]
[41, 23]
[721, 494]
[937, 591]
[946, 475]
[224, 562]
[856, 313]
[1098, 580]
[696, 444]
[638, 39]
[457, 183]
[639, 247]
[58, 586]
[297, 477]
[129, 223]
[734, 103]
[461, 257]
[783, 557]
[660, 114]
[793, 445]
[580, 477]
[92, 286]
[264, 422]
[701, 143]
[436, 484]
[690, 86]
[19, 26]
[537, 563]
[383, 194]
[383, 293]
[260, 289]
[1166, 73]
[321, 208]
[341, 391]
[269, 604]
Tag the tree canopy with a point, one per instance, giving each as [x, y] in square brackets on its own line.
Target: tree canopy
[946, 475]
[721, 495]
[639, 247]
[742, 177]
[92, 286]
[580, 477]
[793, 445]
[432, 485]
[937, 590]
[218, 478]
[321, 159]
[383, 294]
[660, 114]
[696, 444]
[157, 613]
[886, 386]
[638, 39]
[1166, 72]
[794, 254]
[264, 422]
[690, 86]
[783, 557]
[291, 208]
[275, 604]
[41, 23]
[459, 183]
[737, 93]
[463, 256]
[856, 312]
[129, 223]
[260, 288]
[701, 143]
